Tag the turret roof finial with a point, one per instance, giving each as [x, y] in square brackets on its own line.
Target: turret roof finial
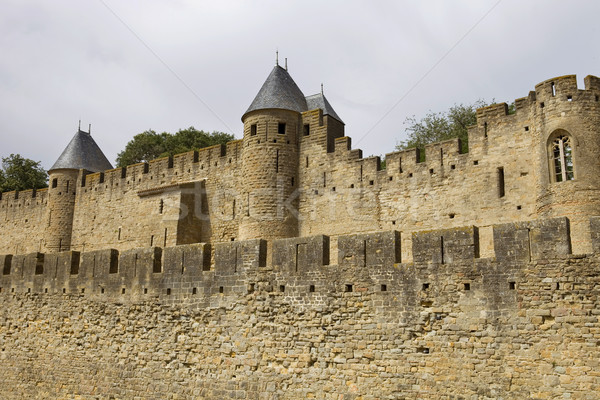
[277, 57]
[321, 88]
[79, 128]
[286, 63]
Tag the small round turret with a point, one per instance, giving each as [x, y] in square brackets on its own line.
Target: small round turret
[82, 153]
[270, 159]
[61, 205]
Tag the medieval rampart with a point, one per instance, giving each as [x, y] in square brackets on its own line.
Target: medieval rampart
[169, 323]
[23, 219]
[312, 178]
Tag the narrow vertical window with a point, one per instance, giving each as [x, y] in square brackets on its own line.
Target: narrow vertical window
[54, 183]
[485, 129]
[119, 237]
[165, 242]
[562, 155]
[553, 89]
[68, 186]
[500, 173]
[306, 161]
[161, 206]
[281, 128]
[253, 130]
[277, 161]
[306, 129]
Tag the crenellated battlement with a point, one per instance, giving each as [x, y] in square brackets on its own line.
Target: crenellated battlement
[204, 161]
[310, 166]
[186, 271]
[25, 197]
[248, 269]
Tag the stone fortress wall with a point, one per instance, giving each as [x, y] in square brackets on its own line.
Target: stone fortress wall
[286, 265]
[23, 220]
[330, 189]
[167, 323]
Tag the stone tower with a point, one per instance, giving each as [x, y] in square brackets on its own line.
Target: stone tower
[566, 122]
[81, 156]
[272, 126]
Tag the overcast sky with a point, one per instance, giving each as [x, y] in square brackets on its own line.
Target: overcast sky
[129, 66]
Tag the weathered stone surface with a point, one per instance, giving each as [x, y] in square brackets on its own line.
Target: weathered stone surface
[446, 247]
[298, 255]
[114, 325]
[541, 239]
[212, 274]
[371, 249]
[307, 180]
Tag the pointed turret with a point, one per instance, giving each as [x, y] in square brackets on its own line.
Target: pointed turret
[278, 92]
[277, 122]
[270, 158]
[82, 152]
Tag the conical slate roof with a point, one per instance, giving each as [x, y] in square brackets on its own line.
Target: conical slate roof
[279, 91]
[320, 101]
[82, 153]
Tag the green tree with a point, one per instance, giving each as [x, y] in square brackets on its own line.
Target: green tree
[436, 127]
[150, 145]
[144, 146]
[18, 173]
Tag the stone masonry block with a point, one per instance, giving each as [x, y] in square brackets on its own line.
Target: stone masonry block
[301, 254]
[550, 237]
[235, 257]
[99, 263]
[369, 249]
[446, 246]
[140, 262]
[595, 233]
[511, 242]
[187, 259]
[67, 264]
[33, 264]
[24, 267]
[532, 240]
[61, 270]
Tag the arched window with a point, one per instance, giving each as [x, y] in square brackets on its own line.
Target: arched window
[561, 148]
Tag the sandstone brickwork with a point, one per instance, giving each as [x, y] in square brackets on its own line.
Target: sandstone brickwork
[307, 180]
[158, 323]
[286, 266]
